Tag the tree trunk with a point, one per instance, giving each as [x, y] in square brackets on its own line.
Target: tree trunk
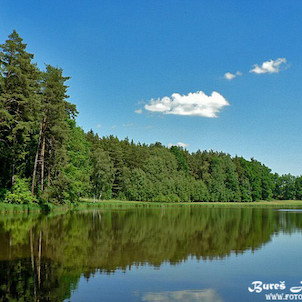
[101, 193]
[13, 174]
[33, 261]
[32, 249]
[49, 160]
[39, 263]
[36, 164]
[42, 163]
[42, 155]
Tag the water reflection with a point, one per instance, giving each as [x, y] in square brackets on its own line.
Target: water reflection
[43, 257]
[206, 295]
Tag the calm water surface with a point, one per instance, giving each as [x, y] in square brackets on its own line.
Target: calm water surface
[167, 254]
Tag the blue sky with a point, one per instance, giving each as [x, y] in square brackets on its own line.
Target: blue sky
[122, 54]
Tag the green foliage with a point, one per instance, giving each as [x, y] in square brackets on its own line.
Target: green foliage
[78, 169]
[3, 192]
[19, 193]
[19, 107]
[287, 187]
[179, 154]
[138, 185]
[298, 188]
[199, 191]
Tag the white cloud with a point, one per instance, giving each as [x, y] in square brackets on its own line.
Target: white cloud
[272, 66]
[138, 111]
[230, 76]
[179, 144]
[193, 104]
[99, 126]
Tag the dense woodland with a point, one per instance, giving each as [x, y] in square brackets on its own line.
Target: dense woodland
[46, 157]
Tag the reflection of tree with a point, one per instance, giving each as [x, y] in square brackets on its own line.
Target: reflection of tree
[18, 283]
[44, 256]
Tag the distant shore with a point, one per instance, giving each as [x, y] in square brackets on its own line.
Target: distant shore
[87, 204]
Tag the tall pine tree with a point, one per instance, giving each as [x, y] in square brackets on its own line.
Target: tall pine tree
[19, 107]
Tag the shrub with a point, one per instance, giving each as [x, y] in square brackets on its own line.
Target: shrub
[19, 193]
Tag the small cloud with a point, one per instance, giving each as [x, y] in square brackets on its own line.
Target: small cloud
[193, 104]
[138, 111]
[99, 126]
[113, 127]
[179, 144]
[230, 76]
[272, 66]
[149, 127]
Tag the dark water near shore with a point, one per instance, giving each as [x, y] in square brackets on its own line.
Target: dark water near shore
[169, 254]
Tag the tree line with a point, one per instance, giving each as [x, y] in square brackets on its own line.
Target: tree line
[45, 156]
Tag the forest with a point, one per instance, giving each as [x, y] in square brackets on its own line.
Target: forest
[46, 157]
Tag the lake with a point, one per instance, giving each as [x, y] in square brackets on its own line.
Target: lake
[186, 253]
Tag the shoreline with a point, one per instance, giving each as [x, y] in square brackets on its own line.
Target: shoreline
[89, 204]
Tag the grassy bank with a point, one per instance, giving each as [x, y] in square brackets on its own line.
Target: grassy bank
[8, 207]
[119, 203]
[87, 204]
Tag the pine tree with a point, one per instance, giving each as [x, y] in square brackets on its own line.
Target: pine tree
[19, 106]
[51, 153]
